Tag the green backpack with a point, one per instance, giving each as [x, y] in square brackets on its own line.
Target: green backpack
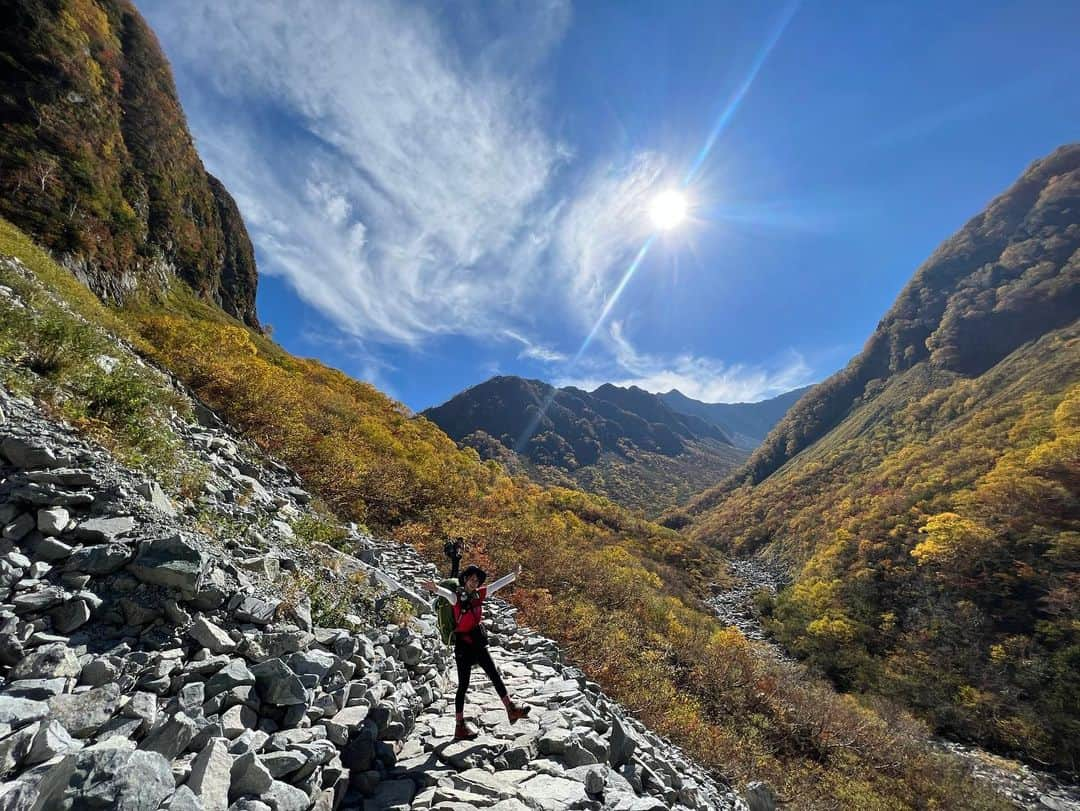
[444, 611]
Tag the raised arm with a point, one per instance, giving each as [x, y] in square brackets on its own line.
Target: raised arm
[435, 588]
[505, 580]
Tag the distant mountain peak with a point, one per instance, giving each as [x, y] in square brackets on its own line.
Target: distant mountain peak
[571, 430]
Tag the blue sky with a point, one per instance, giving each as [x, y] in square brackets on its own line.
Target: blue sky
[442, 192]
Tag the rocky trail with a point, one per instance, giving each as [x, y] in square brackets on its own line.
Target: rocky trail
[197, 654]
[1015, 781]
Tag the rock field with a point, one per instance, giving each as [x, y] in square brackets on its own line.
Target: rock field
[145, 663]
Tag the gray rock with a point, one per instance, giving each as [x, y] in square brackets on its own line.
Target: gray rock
[171, 561]
[211, 636]
[256, 610]
[83, 714]
[19, 528]
[236, 720]
[20, 712]
[143, 707]
[277, 684]
[283, 797]
[264, 565]
[185, 800]
[108, 775]
[152, 492]
[39, 599]
[69, 616]
[191, 697]
[50, 549]
[760, 796]
[283, 763]
[47, 662]
[312, 663]
[624, 742]
[249, 776]
[52, 520]
[234, 674]
[99, 560]
[211, 775]
[171, 738]
[298, 494]
[50, 740]
[29, 457]
[104, 530]
[548, 792]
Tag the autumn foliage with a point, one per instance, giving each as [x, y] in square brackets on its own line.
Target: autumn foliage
[618, 592]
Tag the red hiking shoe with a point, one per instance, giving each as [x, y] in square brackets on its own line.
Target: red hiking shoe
[517, 711]
[463, 733]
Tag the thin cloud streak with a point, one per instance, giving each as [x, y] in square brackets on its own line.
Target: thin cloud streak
[707, 379]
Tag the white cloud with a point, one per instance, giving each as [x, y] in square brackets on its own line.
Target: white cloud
[535, 351]
[706, 379]
[393, 164]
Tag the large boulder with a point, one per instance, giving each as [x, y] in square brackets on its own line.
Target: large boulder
[277, 684]
[211, 775]
[83, 714]
[104, 530]
[172, 561]
[111, 775]
[50, 661]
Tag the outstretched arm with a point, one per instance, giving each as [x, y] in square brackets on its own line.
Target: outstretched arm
[435, 588]
[505, 580]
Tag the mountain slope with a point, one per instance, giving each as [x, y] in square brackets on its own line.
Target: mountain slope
[927, 496]
[97, 164]
[625, 444]
[617, 592]
[746, 423]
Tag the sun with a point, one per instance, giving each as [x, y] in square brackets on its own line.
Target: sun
[668, 209]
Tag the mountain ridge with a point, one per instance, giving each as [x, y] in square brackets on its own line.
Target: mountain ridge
[746, 423]
[925, 325]
[623, 443]
[925, 498]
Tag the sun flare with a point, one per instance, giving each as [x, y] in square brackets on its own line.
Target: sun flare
[668, 209]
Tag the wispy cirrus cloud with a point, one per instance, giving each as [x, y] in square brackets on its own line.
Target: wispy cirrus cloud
[702, 378]
[393, 164]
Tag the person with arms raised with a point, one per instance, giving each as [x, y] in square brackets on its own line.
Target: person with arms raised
[470, 641]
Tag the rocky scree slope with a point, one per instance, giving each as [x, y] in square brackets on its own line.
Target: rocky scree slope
[145, 663]
[97, 163]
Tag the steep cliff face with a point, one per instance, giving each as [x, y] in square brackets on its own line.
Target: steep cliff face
[97, 163]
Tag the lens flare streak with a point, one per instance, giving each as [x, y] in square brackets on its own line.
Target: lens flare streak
[721, 123]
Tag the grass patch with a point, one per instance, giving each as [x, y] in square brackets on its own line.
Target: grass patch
[55, 347]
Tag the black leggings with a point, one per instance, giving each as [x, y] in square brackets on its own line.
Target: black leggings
[466, 656]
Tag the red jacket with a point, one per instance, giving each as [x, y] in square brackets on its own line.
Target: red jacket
[469, 620]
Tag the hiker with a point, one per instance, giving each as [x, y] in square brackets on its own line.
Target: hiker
[452, 549]
[470, 641]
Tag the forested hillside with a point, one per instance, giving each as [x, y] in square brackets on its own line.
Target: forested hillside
[96, 161]
[622, 443]
[927, 497]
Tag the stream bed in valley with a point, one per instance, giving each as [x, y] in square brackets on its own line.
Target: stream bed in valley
[1020, 784]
